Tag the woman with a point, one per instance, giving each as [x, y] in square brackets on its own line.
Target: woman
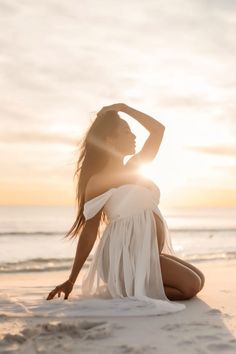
[127, 263]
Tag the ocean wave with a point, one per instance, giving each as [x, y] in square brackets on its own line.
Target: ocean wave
[209, 257]
[32, 233]
[58, 264]
[60, 233]
[38, 265]
[200, 229]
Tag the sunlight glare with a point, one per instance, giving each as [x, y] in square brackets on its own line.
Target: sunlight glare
[163, 180]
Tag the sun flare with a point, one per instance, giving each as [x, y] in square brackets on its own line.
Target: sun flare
[162, 180]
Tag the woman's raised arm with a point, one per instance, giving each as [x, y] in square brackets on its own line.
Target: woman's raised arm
[153, 142]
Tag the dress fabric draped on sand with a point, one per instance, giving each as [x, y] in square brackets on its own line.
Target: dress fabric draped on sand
[124, 274]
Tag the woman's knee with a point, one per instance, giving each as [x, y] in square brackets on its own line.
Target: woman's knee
[179, 276]
[200, 279]
[192, 287]
[192, 267]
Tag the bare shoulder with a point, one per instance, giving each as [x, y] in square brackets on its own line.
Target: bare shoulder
[103, 181]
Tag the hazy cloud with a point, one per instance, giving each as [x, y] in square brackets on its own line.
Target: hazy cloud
[215, 150]
[37, 137]
[61, 60]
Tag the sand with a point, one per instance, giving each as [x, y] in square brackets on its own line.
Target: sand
[208, 325]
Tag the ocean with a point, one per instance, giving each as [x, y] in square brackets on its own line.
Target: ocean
[32, 237]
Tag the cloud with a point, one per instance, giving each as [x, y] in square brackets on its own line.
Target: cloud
[215, 150]
[37, 137]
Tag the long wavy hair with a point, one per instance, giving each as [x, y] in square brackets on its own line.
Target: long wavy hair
[93, 156]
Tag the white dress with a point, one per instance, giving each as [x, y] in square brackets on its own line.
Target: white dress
[124, 277]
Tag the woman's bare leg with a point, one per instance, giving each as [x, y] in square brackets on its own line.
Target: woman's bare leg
[180, 282]
[173, 293]
[196, 270]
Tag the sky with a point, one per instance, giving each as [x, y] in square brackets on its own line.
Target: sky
[63, 61]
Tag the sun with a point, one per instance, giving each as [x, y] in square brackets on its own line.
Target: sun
[167, 179]
[147, 170]
[152, 172]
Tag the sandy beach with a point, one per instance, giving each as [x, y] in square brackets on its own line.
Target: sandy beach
[207, 325]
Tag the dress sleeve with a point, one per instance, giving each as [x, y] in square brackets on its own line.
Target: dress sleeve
[93, 206]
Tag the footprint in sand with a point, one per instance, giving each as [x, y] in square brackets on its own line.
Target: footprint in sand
[214, 312]
[222, 347]
[186, 342]
[84, 329]
[56, 337]
[12, 339]
[208, 337]
[218, 312]
[185, 326]
[59, 333]
[136, 349]
[170, 327]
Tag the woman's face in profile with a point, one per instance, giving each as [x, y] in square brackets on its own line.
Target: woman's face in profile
[124, 140]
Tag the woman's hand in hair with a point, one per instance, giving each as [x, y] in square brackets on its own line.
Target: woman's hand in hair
[114, 107]
[65, 288]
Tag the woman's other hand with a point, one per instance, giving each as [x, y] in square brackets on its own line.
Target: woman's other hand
[114, 107]
[65, 288]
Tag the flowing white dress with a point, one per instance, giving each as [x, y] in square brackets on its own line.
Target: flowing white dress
[124, 277]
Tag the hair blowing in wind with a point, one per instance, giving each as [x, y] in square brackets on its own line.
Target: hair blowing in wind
[93, 156]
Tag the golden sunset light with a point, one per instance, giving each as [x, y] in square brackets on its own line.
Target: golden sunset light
[186, 85]
[118, 176]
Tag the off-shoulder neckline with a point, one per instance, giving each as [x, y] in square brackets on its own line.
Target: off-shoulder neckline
[115, 188]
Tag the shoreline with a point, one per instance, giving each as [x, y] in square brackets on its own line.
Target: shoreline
[208, 324]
